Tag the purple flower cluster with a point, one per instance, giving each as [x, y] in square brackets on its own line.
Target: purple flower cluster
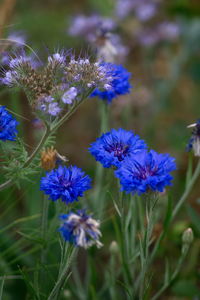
[166, 31]
[138, 169]
[143, 9]
[59, 82]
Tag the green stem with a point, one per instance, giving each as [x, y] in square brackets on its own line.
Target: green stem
[186, 193]
[99, 204]
[150, 205]
[61, 278]
[174, 275]
[124, 237]
[44, 225]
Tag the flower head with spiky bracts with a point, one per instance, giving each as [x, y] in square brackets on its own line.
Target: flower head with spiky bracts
[88, 74]
[113, 147]
[80, 229]
[194, 142]
[8, 125]
[146, 171]
[67, 184]
[120, 84]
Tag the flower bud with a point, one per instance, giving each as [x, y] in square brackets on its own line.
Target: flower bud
[187, 239]
[188, 236]
[114, 248]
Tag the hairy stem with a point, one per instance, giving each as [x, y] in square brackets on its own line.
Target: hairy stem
[61, 278]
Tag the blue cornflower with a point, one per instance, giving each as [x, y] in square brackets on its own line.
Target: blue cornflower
[146, 171]
[7, 125]
[114, 146]
[120, 84]
[80, 229]
[194, 142]
[65, 183]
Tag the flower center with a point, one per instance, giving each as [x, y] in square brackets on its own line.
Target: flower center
[119, 151]
[145, 172]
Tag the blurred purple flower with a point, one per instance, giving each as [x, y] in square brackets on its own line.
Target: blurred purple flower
[18, 37]
[87, 26]
[168, 30]
[145, 11]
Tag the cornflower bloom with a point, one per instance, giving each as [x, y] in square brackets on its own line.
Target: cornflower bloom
[194, 142]
[8, 125]
[66, 183]
[120, 84]
[80, 229]
[113, 147]
[146, 171]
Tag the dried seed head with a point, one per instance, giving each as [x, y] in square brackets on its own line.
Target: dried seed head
[48, 159]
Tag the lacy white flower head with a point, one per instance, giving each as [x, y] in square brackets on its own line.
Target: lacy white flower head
[81, 229]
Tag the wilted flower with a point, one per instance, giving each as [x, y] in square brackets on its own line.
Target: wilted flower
[65, 183]
[48, 158]
[120, 84]
[80, 229]
[113, 147]
[146, 171]
[194, 142]
[8, 125]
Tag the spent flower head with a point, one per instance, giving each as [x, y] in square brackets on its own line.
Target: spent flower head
[80, 229]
